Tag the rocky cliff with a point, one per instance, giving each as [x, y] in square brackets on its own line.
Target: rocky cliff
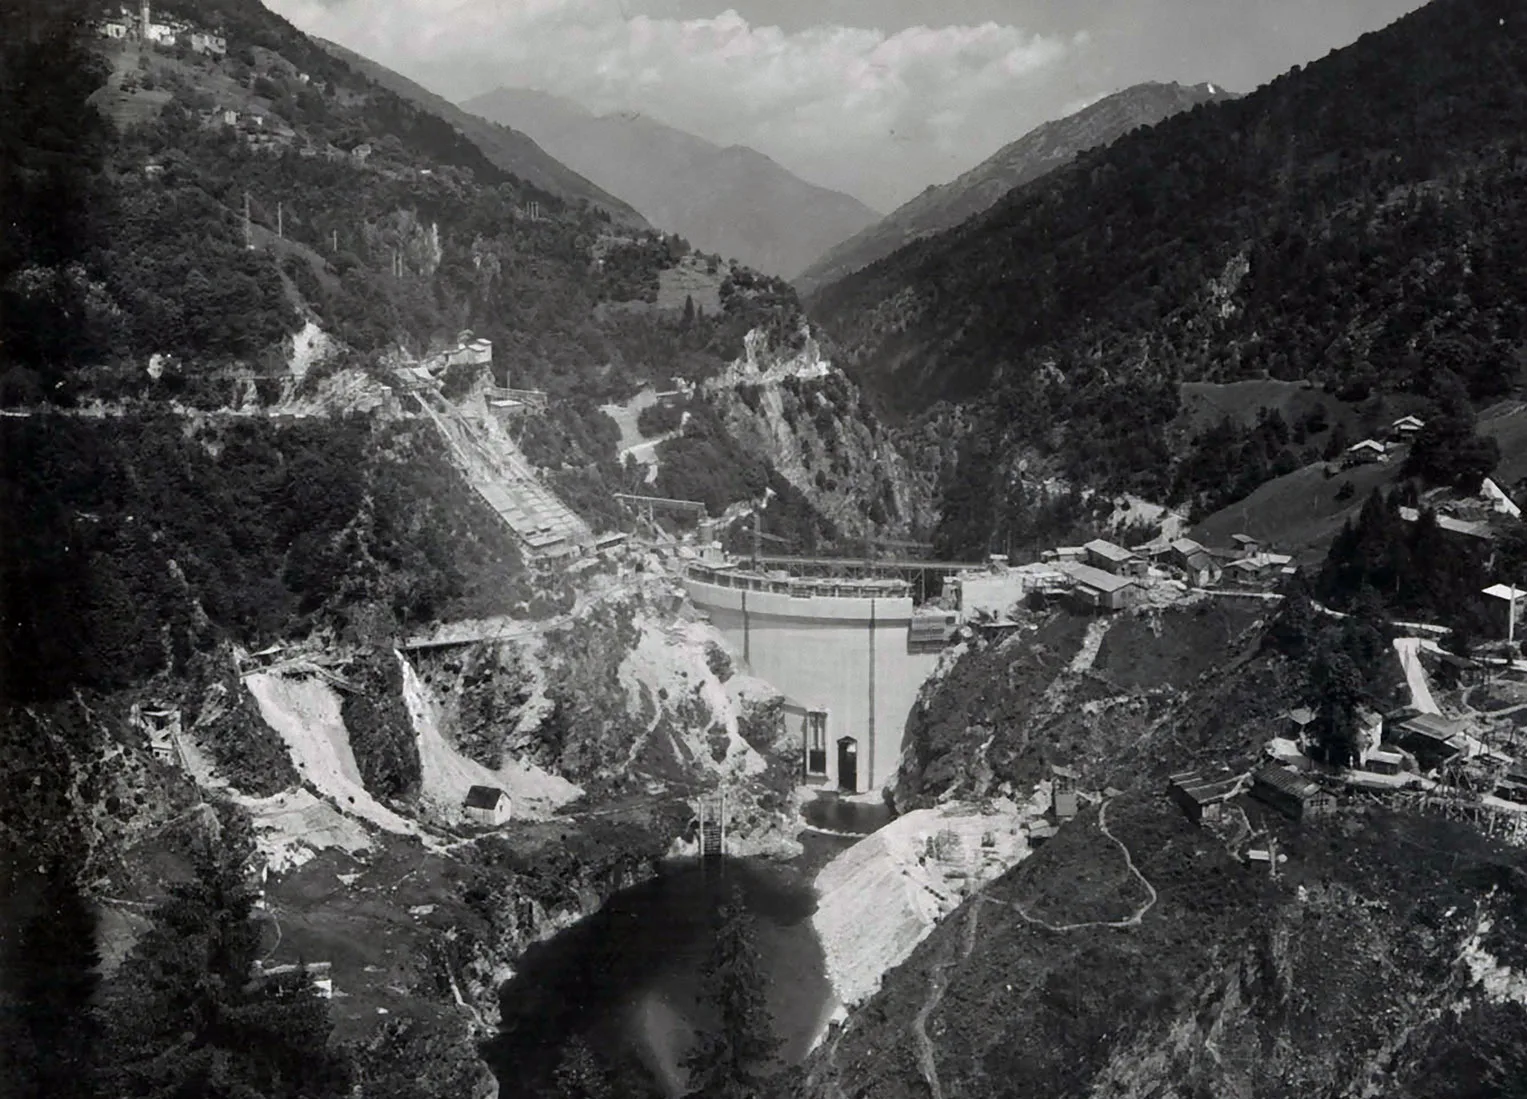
[813, 425]
[1063, 689]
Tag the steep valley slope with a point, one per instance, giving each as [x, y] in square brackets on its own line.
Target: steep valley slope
[238, 528]
[817, 430]
[731, 201]
[1269, 236]
[1044, 149]
[352, 760]
[1137, 953]
[509, 149]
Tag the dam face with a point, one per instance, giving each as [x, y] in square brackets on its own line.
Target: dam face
[843, 661]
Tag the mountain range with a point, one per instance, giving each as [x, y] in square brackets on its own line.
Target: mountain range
[732, 200]
[1042, 150]
[1355, 222]
[505, 147]
[272, 232]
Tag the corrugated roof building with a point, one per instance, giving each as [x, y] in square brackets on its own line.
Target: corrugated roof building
[1113, 558]
[1291, 793]
[1096, 588]
[1202, 794]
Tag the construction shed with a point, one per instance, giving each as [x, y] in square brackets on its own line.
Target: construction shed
[1431, 738]
[1202, 569]
[1180, 549]
[1063, 792]
[319, 977]
[1102, 554]
[1202, 794]
[1096, 588]
[486, 805]
[1512, 784]
[1291, 793]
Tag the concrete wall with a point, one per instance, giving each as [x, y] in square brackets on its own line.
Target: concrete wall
[817, 652]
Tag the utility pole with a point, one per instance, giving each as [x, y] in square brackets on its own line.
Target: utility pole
[248, 229]
[280, 221]
[757, 535]
[1510, 620]
[333, 240]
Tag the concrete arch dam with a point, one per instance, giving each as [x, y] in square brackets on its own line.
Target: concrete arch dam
[842, 655]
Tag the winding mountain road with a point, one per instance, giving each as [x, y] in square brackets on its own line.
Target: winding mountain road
[938, 973]
[1130, 921]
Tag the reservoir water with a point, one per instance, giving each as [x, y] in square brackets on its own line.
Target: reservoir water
[629, 975]
[852, 818]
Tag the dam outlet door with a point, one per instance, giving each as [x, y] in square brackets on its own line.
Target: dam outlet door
[848, 765]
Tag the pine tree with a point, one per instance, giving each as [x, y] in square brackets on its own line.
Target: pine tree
[1339, 689]
[55, 960]
[730, 1060]
[579, 1074]
[186, 1017]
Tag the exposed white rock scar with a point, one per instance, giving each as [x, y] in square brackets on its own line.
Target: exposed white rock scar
[1408, 650]
[1097, 629]
[1498, 982]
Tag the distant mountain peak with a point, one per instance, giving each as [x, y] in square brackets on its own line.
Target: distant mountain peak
[507, 148]
[731, 200]
[1043, 149]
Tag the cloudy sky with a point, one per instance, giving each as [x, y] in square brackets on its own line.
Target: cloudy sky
[879, 98]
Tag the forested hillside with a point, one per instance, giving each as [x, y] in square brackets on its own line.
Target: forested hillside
[179, 481]
[128, 174]
[509, 149]
[369, 215]
[1360, 222]
[733, 201]
[1040, 151]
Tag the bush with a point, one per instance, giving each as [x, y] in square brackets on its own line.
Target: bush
[660, 419]
[719, 661]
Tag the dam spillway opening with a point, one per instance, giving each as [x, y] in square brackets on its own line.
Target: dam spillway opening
[849, 655]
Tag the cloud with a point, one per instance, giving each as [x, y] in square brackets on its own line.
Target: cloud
[878, 113]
